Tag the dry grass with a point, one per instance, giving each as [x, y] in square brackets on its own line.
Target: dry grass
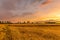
[29, 32]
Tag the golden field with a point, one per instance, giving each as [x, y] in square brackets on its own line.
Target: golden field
[29, 32]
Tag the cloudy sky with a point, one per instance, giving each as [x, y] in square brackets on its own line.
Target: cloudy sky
[29, 10]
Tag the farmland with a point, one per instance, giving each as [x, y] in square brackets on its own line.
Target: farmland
[29, 32]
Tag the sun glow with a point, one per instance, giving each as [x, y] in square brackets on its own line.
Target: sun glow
[55, 16]
[58, 15]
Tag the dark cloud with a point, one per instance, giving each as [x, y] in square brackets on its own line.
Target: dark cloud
[26, 14]
[46, 2]
[10, 5]
[5, 15]
[20, 4]
[15, 4]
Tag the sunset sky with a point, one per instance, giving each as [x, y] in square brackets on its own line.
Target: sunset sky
[29, 10]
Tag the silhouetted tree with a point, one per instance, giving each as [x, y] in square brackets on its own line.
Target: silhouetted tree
[8, 22]
[5, 22]
[32, 22]
[0, 22]
[24, 22]
[37, 22]
[20, 23]
[50, 22]
[17, 23]
[28, 21]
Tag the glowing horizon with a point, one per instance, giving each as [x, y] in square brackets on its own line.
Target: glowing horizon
[29, 10]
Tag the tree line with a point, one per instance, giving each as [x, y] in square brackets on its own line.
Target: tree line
[25, 22]
[8, 22]
[5, 22]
